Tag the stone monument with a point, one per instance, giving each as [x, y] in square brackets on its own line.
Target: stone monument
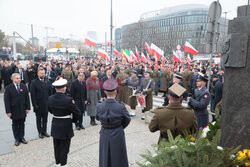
[235, 115]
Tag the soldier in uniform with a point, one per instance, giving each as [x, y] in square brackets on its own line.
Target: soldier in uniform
[114, 118]
[200, 101]
[146, 87]
[17, 105]
[164, 81]
[155, 75]
[62, 106]
[68, 75]
[122, 90]
[173, 117]
[187, 79]
[132, 84]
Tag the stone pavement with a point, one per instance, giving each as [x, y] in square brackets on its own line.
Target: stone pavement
[84, 151]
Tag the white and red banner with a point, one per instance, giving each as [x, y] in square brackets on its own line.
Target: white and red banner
[147, 46]
[142, 100]
[132, 56]
[103, 54]
[176, 57]
[117, 53]
[137, 53]
[189, 61]
[156, 51]
[149, 60]
[143, 58]
[90, 42]
[190, 49]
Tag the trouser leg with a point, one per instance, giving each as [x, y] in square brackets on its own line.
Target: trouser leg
[80, 119]
[44, 122]
[21, 128]
[64, 148]
[39, 122]
[56, 143]
[15, 129]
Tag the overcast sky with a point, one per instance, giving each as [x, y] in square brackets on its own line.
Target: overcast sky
[79, 16]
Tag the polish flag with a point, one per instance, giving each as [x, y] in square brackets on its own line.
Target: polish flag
[103, 54]
[156, 51]
[176, 57]
[147, 46]
[190, 49]
[137, 53]
[90, 42]
[117, 53]
[149, 60]
[132, 56]
[143, 58]
[189, 61]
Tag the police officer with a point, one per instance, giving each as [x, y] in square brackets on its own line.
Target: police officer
[173, 117]
[17, 105]
[200, 101]
[132, 84]
[78, 92]
[62, 107]
[114, 118]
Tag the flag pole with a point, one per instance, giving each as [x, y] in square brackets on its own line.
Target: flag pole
[111, 33]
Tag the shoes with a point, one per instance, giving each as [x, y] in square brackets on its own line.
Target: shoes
[82, 127]
[41, 135]
[23, 141]
[132, 113]
[17, 143]
[46, 134]
[78, 128]
[143, 118]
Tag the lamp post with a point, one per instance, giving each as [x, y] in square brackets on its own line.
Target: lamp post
[111, 33]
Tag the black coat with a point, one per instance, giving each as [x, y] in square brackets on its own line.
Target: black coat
[6, 74]
[217, 92]
[24, 75]
[79, 93]
[31, 73]
[112, 151]
[62, 105]
[39, 95]
[16, 103]
[52, 76]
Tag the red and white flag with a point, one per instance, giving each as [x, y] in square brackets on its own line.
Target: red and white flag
[132, 56]
[190, 49]
[156, 51]
[90, 42]
[149, 60]
[103, 54]
[117, 53]
[176, 57]
[137, 53]
[142, 100]
[147, 46]
[143, 58]
[189, 61]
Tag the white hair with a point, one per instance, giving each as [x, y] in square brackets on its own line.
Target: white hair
[15, 74]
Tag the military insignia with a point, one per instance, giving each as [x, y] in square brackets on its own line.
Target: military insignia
[73, 101]
[205, 96]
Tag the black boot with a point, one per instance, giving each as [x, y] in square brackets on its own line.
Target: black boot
[94, 121]
[91, 120]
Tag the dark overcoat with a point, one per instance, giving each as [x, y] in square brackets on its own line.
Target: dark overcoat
[16, 103]
[113, 151]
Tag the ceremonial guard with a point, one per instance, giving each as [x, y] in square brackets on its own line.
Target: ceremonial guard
[68, 75]
[114, 118]
[62, 107]
[200, 101]
[40, 90]
[155, 75]
[122, 95]
[173, 117]
[17, 105]
[132, 84]
[146, 87]
[187, 79]
[78, 92]
[164, 81]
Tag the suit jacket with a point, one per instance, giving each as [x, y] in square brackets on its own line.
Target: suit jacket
[60, 104]
[16, 102]
[174, 117]
[52, 76]
[39, 95]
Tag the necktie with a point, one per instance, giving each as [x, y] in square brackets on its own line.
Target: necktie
[18, 88]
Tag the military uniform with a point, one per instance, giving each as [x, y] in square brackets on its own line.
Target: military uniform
[187, 80]
[132, 84]
[155, 75]
[199, 103]
[62, 106]
[173, 117]
[164, 80]
[114, 118]
[147, 86]
[122, 95]
[68, 75]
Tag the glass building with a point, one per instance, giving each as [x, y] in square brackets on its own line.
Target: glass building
[171, 26]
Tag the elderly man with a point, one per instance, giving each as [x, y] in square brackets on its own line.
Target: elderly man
[17, 105]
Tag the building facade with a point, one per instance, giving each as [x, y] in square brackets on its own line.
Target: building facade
[171, 26]
[118, 39]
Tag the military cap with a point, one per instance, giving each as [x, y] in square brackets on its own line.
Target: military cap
[110, 85]
[202, 77]
[177, 75]
[60, 83]
[176, 90]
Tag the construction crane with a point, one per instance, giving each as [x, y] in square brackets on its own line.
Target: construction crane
[44, 27]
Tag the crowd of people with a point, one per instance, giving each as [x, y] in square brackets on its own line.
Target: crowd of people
[87, 84]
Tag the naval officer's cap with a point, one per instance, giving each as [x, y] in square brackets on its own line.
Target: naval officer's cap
[60, 83]
[202, 77]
